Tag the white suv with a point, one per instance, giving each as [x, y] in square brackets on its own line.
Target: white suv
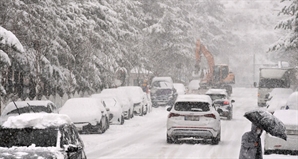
[193, 116]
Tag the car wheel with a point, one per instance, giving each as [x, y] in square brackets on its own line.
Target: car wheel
[230, 116]
[142, 112]
[169, 140]
[122, 120]
[131, 115]
[128, 115]
[215, 140]
[267, 152]
[107, 124]
[146, 110]
[100, 128]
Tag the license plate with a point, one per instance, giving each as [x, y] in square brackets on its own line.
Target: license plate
[192, 118]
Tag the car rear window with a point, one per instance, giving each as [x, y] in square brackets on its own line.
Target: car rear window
[217, 96]
[192, 106]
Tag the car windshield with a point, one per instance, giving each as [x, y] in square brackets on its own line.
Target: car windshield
[28, 136]
[162, 84]
[28, 109]
[190, 106]
[217, 96]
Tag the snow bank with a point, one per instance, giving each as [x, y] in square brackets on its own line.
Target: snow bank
[38, 120]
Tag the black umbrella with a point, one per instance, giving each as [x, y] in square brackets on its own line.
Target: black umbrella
[267, 122]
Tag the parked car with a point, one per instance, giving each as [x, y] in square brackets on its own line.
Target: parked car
[136, 94]
[193, 116]
[277, 98]
[21, 107]
[221, 102]
[40, 135]
[88, 114]
[277, 145]
[115, 110]
[162, 91]
[292, 101]
[180, 88]
[123, 98]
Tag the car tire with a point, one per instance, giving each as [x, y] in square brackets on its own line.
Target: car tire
[131, 115]
[215, 140]
[267, 152]
[128, 115]
[230, 116]
[169, 140]
[142, 112]
[122, 120]
[145, 113]
[107, 124]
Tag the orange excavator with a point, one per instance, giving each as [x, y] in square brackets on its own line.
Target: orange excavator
[217, 76]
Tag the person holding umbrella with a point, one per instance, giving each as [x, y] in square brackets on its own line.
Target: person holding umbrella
[251, 147]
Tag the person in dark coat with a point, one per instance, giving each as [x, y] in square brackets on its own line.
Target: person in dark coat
[251, 147]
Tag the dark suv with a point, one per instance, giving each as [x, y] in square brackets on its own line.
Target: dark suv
[162, 91]
[40, 135]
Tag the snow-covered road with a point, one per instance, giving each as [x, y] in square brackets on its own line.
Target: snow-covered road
[145, 137]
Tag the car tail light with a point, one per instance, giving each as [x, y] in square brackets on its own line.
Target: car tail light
[226, 102]
[210, 116]
[174, 115]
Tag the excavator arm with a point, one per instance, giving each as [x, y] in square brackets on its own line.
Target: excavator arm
[201, 49]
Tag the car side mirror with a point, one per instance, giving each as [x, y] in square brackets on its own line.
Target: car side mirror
[233, 101]
[169, 109]
[255, 84]
[72, 148]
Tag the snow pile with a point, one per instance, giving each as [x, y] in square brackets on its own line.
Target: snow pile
[8, 38]
[36, 120]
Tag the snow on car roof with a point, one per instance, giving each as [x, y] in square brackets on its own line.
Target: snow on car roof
[216, 91]
[168, 79]
[37, 120]
[20, 104]
[82, 109]
[288, 117]
[194, 98]
[292, 101]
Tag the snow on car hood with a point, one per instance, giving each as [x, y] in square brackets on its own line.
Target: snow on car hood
[31, 153]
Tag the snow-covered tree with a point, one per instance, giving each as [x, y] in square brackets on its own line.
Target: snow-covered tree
[287, 45]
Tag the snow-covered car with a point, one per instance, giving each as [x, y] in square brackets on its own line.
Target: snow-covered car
[180, 88]
[40, 135]
[136, 95]
[123, 98]
[21, 107]
[292, 101]
[193, 86]
[162, 91]
[88, 114]
[277, 98]
[277, 145]
[115, 110]
[221, 102]
[193, 116]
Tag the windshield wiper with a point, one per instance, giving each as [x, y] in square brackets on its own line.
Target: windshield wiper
[30, 107]
[16, 107]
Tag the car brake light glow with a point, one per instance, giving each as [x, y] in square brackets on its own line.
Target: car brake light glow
[174, 115]
[226, 102]
[210, 116]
